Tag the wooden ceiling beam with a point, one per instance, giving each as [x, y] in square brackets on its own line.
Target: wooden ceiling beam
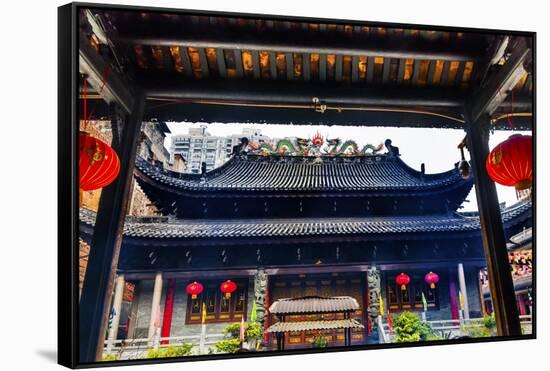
[303, 41]
[494, 92]
[299, 92]
[102, 78]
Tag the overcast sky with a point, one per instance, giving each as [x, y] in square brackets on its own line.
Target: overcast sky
[436, 148]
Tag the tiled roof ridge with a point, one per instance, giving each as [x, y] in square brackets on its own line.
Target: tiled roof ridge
[381, 172]
[344, 297]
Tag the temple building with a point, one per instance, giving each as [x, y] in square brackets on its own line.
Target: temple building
[295, 221]
[520, 256]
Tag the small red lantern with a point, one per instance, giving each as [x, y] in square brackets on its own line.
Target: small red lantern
[403, 280]
[194, 289]
[511, 162]
[98, 164]
[228, 287]
[431, 279]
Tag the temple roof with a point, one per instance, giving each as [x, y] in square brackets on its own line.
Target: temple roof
[166, 228]
[247, 172]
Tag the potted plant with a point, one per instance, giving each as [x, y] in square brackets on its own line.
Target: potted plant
[319, 341]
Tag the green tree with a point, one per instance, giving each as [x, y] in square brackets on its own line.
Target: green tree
[410, 328]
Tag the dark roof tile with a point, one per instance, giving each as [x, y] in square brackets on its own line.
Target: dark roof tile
[273, 173]
[163, 227]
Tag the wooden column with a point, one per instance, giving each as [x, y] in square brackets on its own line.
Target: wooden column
[492, 232]
[105, 248]
[117, 304]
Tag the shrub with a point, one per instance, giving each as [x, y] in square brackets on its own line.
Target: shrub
[489, 321]
[184, 349]
[252, 330]
[320, 341]
[410, 328]
[232, 330]
[434, 337]
[109, 357]
[487, 329]
[228, 346]
[476, 331]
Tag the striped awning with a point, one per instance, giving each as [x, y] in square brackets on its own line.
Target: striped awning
[314, 325]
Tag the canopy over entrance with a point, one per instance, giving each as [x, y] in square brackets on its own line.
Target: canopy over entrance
[283, 308]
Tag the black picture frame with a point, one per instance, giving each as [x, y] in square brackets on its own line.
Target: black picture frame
[68, 198]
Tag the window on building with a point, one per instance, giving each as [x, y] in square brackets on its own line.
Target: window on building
[218, 307]
[411, 297]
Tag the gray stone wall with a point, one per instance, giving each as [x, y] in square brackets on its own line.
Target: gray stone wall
[180, 307]
[144, 306]
[179, 328]
[472, 287]
[444, 312]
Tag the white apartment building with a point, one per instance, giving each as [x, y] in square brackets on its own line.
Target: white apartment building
[198, 146]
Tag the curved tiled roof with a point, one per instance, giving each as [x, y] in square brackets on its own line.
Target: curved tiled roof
[314, 304]
[248, 172]
[163, 227]
[314, 325]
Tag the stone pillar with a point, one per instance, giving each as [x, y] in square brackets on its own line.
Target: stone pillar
[155, 306]
[464, 292]
[260, 295]
[117, 304]
[374, 294]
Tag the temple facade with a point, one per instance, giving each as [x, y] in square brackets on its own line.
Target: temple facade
[300, 222]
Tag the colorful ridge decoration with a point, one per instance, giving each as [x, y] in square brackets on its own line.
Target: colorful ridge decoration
[316, 146]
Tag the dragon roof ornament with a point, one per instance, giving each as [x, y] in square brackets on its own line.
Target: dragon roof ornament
[317, 146]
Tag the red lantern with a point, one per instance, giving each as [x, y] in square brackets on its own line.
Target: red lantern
[511, 162]
[98, 165]
[194, 289]
[431, 279]
[403, 280]
[228, 287]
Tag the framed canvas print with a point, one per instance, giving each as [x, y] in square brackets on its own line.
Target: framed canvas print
[244, 185]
